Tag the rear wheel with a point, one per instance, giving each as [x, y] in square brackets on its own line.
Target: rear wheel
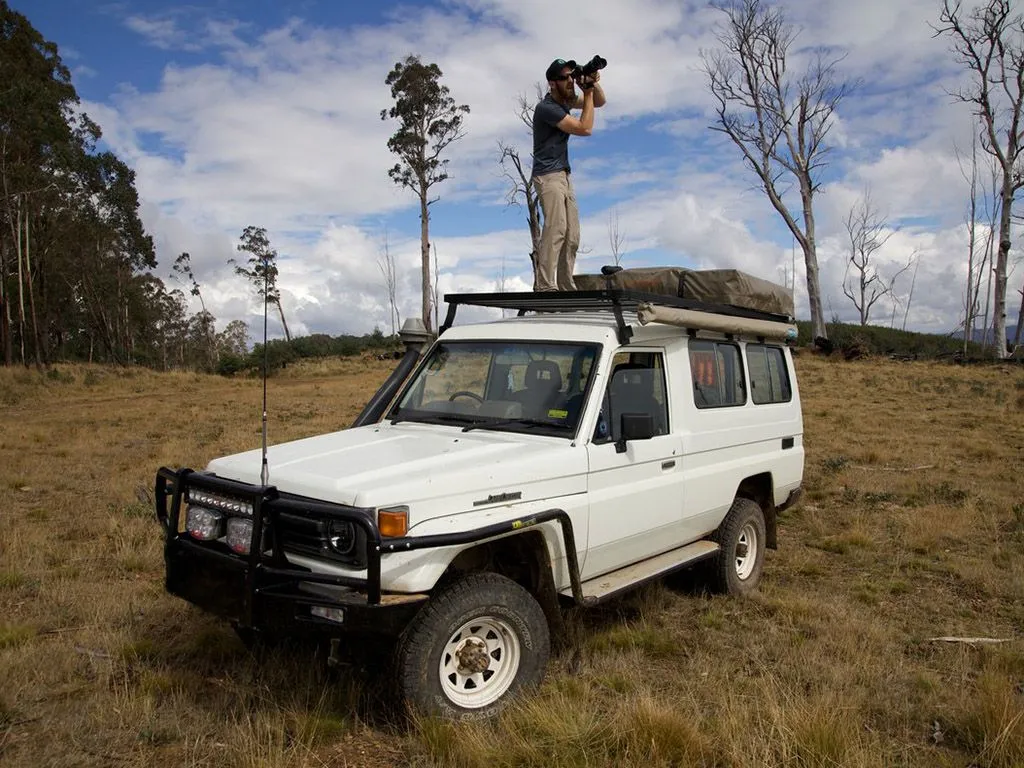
[473, 647]
[742, 536]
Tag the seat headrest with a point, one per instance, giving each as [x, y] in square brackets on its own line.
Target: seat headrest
[543, 374]
[629, 375]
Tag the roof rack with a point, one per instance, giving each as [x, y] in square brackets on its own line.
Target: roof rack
[614, 299]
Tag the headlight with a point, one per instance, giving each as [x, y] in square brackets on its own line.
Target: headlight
[239, 535]
[204, 524]
[342, 537]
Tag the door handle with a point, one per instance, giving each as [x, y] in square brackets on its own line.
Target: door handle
[668, 464]
[787, 442]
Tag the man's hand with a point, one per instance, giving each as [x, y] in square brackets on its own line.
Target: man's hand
[589, 81]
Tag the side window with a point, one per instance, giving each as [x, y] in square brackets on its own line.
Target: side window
[637, 385]
[717, 374]
[769, 378]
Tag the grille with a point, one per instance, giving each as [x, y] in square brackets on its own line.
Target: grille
[310, 536]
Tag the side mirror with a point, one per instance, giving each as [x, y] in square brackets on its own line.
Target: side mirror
[634, 426]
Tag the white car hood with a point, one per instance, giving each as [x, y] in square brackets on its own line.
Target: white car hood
[383, 464]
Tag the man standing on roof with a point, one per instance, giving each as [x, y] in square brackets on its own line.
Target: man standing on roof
[552, 126]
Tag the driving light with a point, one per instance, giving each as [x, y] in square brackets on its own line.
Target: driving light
[239, 535]
[393, 521]
[204, 524]
[219, 503]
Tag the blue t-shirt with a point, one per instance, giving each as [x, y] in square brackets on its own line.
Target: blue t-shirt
[550, 144]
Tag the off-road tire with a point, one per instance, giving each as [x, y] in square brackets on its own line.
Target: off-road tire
[476, 608]
[742, 536]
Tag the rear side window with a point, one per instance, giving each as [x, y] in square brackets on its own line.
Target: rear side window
[769, 377]
[717, 374]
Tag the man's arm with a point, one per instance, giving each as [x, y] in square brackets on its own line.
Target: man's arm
[584, 125]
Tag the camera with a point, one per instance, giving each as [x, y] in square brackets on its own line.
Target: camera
[588, 69]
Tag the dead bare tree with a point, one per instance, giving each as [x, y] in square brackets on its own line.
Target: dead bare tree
[182, 272]
[989, 42]
[521, 189]
[916, 258]
[512, 169]
[868, 232]
[615, 236]
[971, 293]
[386, 265]
[779, 122]
[992, 205]
[979, 246]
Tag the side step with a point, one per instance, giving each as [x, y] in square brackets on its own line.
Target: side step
[611, 584]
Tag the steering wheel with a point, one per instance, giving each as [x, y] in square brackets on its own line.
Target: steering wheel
[466, 393]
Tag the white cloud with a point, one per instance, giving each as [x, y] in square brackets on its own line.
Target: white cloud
[161, 33]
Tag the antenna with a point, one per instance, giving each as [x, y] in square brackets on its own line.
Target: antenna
[264, 469]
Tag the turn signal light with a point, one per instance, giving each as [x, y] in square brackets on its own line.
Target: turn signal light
[393, 523]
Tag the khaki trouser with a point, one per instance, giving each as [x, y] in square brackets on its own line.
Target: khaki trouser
[561, 235]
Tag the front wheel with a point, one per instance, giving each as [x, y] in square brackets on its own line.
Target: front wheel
[742, 536]
[472, 648]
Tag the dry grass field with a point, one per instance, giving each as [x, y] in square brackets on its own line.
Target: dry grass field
[912, 529]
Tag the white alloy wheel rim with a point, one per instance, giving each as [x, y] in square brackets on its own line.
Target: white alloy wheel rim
[479, 662]
[746, 551]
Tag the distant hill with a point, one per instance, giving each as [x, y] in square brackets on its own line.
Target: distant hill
[1011, 331]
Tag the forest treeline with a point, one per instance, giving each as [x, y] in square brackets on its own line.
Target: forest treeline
[76, 264]
[77, 278]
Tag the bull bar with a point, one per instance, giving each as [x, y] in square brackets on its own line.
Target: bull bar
[263, 591]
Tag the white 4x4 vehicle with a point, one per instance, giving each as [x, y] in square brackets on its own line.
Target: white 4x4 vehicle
[563, 456]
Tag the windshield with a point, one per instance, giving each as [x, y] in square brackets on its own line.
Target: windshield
[516, 386]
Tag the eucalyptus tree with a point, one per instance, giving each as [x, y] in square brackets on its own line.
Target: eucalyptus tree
[429, 121]
[261, 268]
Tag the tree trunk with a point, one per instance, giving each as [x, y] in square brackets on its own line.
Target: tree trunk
[910, 298]
[536, 229]
[988, 303]
[287, 335]
[811, 263]
[18, 252]
[32, 295]
[434, 298]
[971, 301]
[863, 298]
[425, 258]
[1002, 255]
[5, 338]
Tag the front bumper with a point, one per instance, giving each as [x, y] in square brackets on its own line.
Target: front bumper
[262, 590]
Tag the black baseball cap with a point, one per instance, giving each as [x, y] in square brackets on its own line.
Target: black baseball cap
[555, 70]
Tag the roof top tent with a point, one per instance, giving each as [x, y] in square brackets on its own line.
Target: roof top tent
[725, 301]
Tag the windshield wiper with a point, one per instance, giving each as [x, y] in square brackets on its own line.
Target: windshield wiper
[507, 422]
[435, 418]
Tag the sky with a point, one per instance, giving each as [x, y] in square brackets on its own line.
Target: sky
[268, 114]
